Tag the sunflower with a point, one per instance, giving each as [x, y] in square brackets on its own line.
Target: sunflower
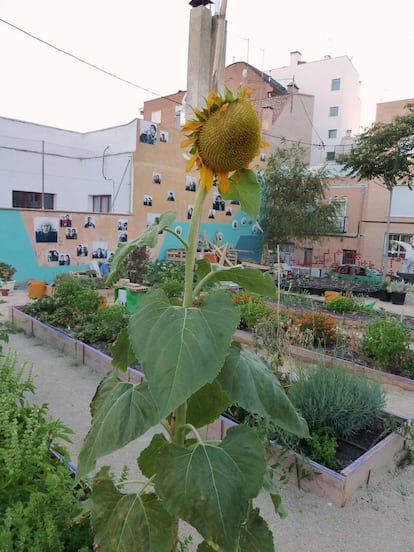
[224, 138]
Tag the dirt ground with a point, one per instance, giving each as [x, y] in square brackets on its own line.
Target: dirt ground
[378, 518]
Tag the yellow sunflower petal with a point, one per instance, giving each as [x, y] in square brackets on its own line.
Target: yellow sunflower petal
[246, 92]
[192, 125]
[188, 141]
[190, 163]
[236, 177]
[223, 182]
[206, 177]
[264, 144]
[200, 114]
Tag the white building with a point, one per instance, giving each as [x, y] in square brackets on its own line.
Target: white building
[43, 167]
[335, 84]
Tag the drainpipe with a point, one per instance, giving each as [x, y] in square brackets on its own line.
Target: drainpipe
[106, 178]
[43, 175]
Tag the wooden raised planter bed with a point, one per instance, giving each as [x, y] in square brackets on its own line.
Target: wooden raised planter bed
[335, 487]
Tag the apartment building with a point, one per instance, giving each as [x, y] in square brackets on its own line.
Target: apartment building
[335, 85]
[362, 219]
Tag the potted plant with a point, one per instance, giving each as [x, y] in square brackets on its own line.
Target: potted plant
[6, 274]
[398, 290]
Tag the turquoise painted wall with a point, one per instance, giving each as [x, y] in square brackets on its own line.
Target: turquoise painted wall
[16, 249]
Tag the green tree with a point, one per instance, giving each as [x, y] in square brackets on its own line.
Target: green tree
[384, 153]
[294, 205]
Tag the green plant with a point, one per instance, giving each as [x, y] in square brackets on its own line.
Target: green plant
[386, 341]
[322, 446]
[333, 397]
[397, 286]
[252, 309]
[343, 304]
[322, 327]
[38, 499]
[193, 372]
[7, 271]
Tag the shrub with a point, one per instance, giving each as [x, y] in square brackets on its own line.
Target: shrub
[386, 341]
[336, 398]
[322, 327]
[252, 309]
[343, 304]
[38, 500]
[103, 326]
[322, 446]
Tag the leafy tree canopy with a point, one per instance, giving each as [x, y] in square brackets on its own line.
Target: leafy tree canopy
[294, 205]
[384, 152]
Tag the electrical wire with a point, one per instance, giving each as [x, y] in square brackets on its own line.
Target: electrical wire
[126, 81]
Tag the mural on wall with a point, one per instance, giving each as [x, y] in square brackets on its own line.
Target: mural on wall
[99, 250]
[89, 222]
[170, 195]
[123, 225]
[147, 200]
[190, 210]
[218, 202]
[163, 137]
[46, 230]
[147, 132]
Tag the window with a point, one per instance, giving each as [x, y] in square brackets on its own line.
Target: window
[396, 250]
[32, 200]
[341, 219]
[349, 256]
[332, 133]
[156, 116]
[334, 111]
[307, 256]
[101, 203]
[335, 84]
[330, 156]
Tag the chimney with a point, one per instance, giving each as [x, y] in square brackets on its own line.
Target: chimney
[295, 57]
[292, 88]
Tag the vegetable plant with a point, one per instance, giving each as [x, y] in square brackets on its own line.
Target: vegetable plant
[193, 372]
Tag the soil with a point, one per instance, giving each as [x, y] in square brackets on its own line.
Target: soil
[379, 517]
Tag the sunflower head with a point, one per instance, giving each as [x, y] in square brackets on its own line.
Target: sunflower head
[224, 137]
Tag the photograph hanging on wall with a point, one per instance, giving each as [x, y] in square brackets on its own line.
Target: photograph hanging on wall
[122, 236]
[156, 178]
[65, 221]
[99, 250]
[190, 210]
[123, 225]
[147, 132]
[46, 230]
[82, 250]
[64, 259]
[52, 256]
[71, 233]
[89, 222]
[148, 200]
[190, 183]
[163, 137]
[151, 218]
[171, 195]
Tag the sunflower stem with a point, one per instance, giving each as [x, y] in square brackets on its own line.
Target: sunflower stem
[181, 412]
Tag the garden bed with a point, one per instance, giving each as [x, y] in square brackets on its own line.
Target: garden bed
[334, 486]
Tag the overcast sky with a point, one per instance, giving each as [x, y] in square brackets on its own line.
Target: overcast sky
[146, 42]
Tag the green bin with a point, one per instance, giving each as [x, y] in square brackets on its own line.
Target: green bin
[132, 298]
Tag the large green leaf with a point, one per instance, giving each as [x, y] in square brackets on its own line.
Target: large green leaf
[255, 535]
[248, 380]
[207, 404]
[122, 353]
[206, 485]
[250, 279]
[129, 522]
[181, 349]
[146, 460]
[125, 412]
[247, 191]
[148, 238]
